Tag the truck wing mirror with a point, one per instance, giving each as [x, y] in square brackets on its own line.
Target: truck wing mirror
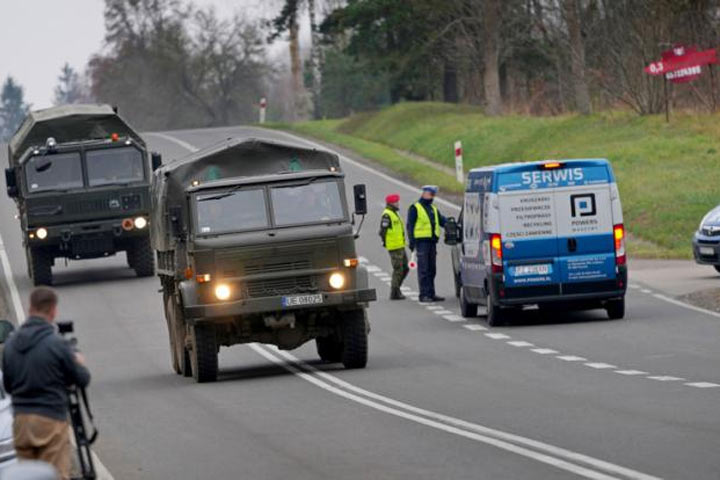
[360, 199]
[177, 228]
[156, 159]
[451, 232]
[11, 182]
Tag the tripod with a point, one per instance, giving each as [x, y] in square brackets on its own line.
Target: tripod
[77, 398]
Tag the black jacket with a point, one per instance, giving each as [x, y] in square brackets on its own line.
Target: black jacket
[38, 366]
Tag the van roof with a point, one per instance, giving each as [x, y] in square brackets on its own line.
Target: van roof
[520, 166]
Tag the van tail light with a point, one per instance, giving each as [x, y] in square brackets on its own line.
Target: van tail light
[496, 253]
[619, 236]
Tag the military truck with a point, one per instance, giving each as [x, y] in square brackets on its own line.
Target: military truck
[254, 243]
[80, 176]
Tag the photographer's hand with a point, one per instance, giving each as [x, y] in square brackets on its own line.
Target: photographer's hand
[80, 358]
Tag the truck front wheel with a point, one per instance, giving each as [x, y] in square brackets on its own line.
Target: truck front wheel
[329, 349]
[40, 263]
[204, 356]
[355, 339]
[141, 257]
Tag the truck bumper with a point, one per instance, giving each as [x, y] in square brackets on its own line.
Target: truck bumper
[348, 298]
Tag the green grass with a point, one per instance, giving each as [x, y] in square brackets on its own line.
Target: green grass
[668, 174]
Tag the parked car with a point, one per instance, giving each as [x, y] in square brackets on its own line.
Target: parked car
[706, 241]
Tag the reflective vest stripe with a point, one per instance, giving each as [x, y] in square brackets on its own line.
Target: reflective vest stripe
[395, 235]
[423, 227]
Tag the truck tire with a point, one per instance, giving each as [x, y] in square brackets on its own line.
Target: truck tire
[615, 309]
[142, 257]
[355, 339]
[495, 314]
[41, 266]
[467, 309]
[329, 349]
[204, 355]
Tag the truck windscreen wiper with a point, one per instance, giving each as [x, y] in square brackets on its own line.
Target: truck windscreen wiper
[220, 196]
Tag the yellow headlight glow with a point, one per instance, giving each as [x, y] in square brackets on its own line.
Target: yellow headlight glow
[337, 280]
[222, 291]
[41, 233]
[140, 223]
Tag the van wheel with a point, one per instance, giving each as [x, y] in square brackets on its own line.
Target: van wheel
[717, 268]
[355, 339]
[495, 314]
[141, 257]
[329, 349]
[41, 266]
[204, 356]
[467, 309]
[615, 309]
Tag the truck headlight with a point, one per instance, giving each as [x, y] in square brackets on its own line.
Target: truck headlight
[140, 223]
[41, 233]
[337, 280]
[222, 291]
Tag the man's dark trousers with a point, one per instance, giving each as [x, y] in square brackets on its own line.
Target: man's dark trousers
[426, 260]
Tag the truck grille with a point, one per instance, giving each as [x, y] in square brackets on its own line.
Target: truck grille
[269, 267]
[281, 286]
[90, 205]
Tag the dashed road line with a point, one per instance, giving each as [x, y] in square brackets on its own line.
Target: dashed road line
[702, 385]
[474, 327]
[571, 358]
[454, 318]
[600, 365]
[497, 336]
[435, 307]
[442, 312]
[631, 372]
[520, 343]
[544, 351]
[665, 378]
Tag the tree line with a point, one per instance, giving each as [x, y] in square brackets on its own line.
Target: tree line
[170, 64]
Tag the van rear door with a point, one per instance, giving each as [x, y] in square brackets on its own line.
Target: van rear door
[584, 216]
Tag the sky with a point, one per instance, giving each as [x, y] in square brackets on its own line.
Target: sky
[37, 37]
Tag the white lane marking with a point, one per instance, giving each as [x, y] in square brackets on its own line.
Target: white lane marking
[645, 290]
[600, 365]
[474, 327]
[362, 260]
[631, 372]
[702, 385]
[543, 452]
[571, 358]
[373, 269]
[453, 318]
[176, 141]
[406, 289]
[634, 285]
[686, 305]
[442, 312]
[497, 336]
[380, 273]
[544, 351]
[102, 472]
[520, 343]
[14, 294]
[665, 378]
[435, 307]
[414, 298]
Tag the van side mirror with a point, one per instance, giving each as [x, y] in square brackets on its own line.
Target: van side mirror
[451, 232]
[360, 199]
[6, 328]
[156, 159]
[175, 218]
[11, 182]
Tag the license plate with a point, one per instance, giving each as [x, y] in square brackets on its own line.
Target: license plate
[525, 270]
[302, 300]
[707, 251]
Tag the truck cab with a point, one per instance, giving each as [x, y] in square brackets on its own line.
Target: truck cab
[80, 177]
[255, 243]
[547, 233]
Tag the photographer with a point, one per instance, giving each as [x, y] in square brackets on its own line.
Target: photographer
[38, 367]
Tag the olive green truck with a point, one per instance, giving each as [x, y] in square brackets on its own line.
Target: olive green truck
[255, 243]
[80, 177]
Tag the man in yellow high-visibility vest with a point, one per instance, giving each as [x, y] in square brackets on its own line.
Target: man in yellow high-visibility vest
[392, 233]
[424, 223]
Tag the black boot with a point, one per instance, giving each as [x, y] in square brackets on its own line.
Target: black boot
[396, 294]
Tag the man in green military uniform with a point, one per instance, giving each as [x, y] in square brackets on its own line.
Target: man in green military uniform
[392, 233]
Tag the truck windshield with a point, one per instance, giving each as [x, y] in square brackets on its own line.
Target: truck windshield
[315, 202]
[231, 211]
[59, 171]
[114, 165]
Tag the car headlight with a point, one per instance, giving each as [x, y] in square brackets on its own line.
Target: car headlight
[140, 223]
[41, 233]
[222, 291]
[337, 280]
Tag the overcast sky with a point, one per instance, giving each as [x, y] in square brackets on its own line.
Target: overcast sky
[37, 37]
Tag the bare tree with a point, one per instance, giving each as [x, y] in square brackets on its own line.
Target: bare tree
[491, 56]
[577, 56]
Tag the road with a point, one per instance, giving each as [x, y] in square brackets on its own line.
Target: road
[565, 396]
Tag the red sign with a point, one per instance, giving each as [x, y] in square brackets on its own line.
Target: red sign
[682, 64]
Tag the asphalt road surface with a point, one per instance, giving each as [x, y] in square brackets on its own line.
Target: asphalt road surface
[552, 397]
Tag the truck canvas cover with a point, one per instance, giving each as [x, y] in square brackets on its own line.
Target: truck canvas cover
[68, 123]
[232, 158]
